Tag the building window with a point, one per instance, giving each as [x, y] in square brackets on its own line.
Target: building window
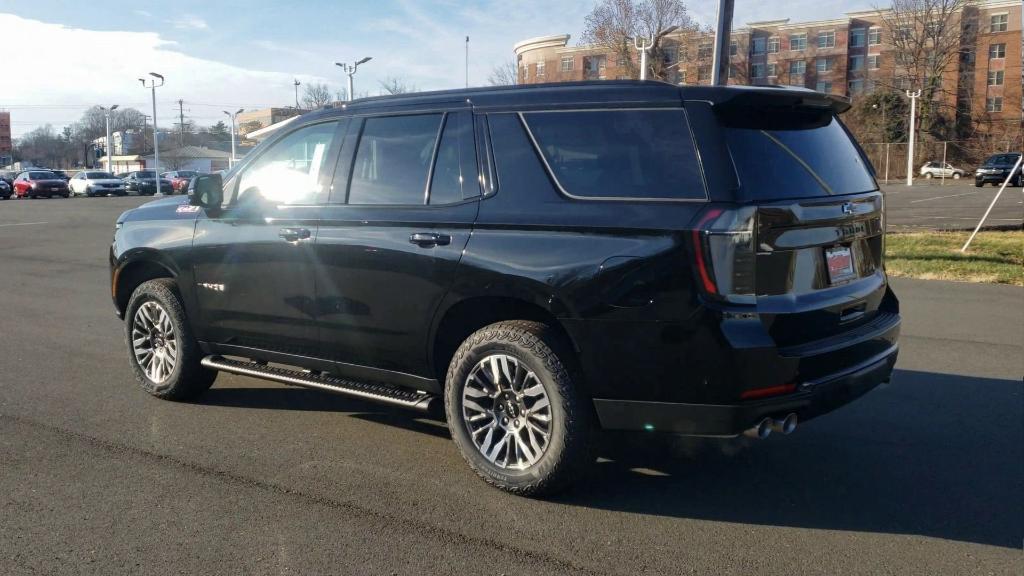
[823, 86]
[903, 83]
[994, 104]
[773, 44]
[874, 62]
[757, 70]
[856, 38]
[874, 36]
[797, 67]
[620, 61]
[567, 63]
[798, 41]
[997, 23]
[856, 63]
[759, 45]
[540, 69]
[732, 48]
[997, 51]
[995, 78]
[823, 64]
[704, 50]
[827, 39]
[594, 66]
[772, 70]
[904, 33]
[703, 73]
[669, 55]
[856, 86]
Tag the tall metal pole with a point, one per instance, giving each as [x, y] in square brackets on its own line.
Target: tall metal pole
[720, 61]
[944, 162]
[156, 143]
[110, 139]
[350, 69]
[181, 123]
[296, 83]
[351, 96]
[467, 61]
[910, 149]
[232, 115]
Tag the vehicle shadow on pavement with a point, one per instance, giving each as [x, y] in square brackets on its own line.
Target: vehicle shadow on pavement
[302, 399]
[931, 455]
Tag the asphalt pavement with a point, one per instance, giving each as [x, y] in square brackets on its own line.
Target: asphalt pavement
[923, 476]
[950, 205]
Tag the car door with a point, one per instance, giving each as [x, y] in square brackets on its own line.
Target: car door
[253, 259]
[388, 250]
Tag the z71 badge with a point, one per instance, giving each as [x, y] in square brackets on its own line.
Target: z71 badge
[187, 209]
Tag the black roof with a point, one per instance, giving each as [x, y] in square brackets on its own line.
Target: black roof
[578, 94]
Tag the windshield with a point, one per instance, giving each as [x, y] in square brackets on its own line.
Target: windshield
[145, 174]
[99, 176]
[42, 176]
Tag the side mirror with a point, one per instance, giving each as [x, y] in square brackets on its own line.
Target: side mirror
[206, 190]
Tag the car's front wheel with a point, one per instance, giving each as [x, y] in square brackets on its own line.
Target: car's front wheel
[956, 175]
[162, 351]
[515, 410]
[929, 175]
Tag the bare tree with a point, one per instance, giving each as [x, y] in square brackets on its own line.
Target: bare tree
[504, 74]
[395, 85]
[926, 39]
[613, 24]
[315, 95]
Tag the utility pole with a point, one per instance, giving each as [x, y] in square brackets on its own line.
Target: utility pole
[110, 140]
[350, 69]
[643, 45]
[232, 115]
[156, 143]
[296, 83]
[910, 149]
[720, 61]
[181, 123]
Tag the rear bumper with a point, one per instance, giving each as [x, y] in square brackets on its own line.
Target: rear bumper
[812, 399]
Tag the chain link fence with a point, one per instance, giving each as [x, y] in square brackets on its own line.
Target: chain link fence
[890, 159]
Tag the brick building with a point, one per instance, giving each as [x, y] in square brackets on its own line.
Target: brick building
[5, 138]
[851, 56]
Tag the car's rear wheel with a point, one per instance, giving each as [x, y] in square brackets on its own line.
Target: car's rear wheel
[956, 175]
[164, 355]
[515, 410]
[929, 175]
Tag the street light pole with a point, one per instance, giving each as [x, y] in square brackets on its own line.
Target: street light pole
[110, 140]
[646, 44]
[156, 144]
[296, 83]
[232, 116]
[350, 69]
[720, 59]
[910, 149]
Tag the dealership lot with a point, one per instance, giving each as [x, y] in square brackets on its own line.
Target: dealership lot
[955, 205]
[920, 477]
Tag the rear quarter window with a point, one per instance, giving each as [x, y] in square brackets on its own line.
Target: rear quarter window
[806, 161]
[619, 154]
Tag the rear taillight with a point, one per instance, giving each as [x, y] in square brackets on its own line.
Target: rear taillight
[725, 255]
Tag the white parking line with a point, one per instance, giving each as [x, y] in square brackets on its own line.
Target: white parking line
[941, 197]
[23, 224]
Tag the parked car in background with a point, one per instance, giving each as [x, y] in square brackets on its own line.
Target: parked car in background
[92, 183]
[8, 176]
[5, 190]
[142, 183]
[940, 170]
[35, 183]
[548, 262]
[179, 178]
[996, 168]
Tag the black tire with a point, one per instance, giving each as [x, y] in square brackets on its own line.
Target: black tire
[978, 183]
[187, 379]
[540, 349]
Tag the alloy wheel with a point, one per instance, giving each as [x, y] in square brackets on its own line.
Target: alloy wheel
[507, 412]
[154, 341]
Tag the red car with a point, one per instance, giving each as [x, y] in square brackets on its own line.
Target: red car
[35, 183]
[179, 179]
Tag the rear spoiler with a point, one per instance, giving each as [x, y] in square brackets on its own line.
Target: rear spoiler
[778, 108]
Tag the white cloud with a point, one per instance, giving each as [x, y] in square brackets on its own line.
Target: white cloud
[143, 13]
[189, 22]
[103, 67]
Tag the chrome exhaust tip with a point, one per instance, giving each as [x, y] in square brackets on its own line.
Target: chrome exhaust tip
[785, 426]
[761, 431]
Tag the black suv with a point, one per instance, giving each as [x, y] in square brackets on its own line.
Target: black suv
[143, 183]
[536, 262]
[996, 168]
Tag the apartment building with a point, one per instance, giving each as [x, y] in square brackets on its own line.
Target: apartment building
[5, 137]
[851, 56]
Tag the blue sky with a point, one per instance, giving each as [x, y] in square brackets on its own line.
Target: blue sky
[225, 55]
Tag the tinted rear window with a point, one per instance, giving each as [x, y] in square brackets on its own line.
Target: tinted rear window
[42, 176]
[815, 160]
[607, 154]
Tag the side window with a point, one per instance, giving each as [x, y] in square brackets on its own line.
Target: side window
[454, 176]
[616, 154]
[393, 159]
[289, 172]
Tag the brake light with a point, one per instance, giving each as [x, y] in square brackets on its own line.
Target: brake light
[725, 254]
[767, 391]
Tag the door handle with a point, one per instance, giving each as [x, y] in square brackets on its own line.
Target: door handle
[294, 234]
[429, 239]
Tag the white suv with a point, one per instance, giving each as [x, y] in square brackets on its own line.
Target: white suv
[940, 170]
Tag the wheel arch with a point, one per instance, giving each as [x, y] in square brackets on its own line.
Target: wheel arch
[470, 314]
[132, 273]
